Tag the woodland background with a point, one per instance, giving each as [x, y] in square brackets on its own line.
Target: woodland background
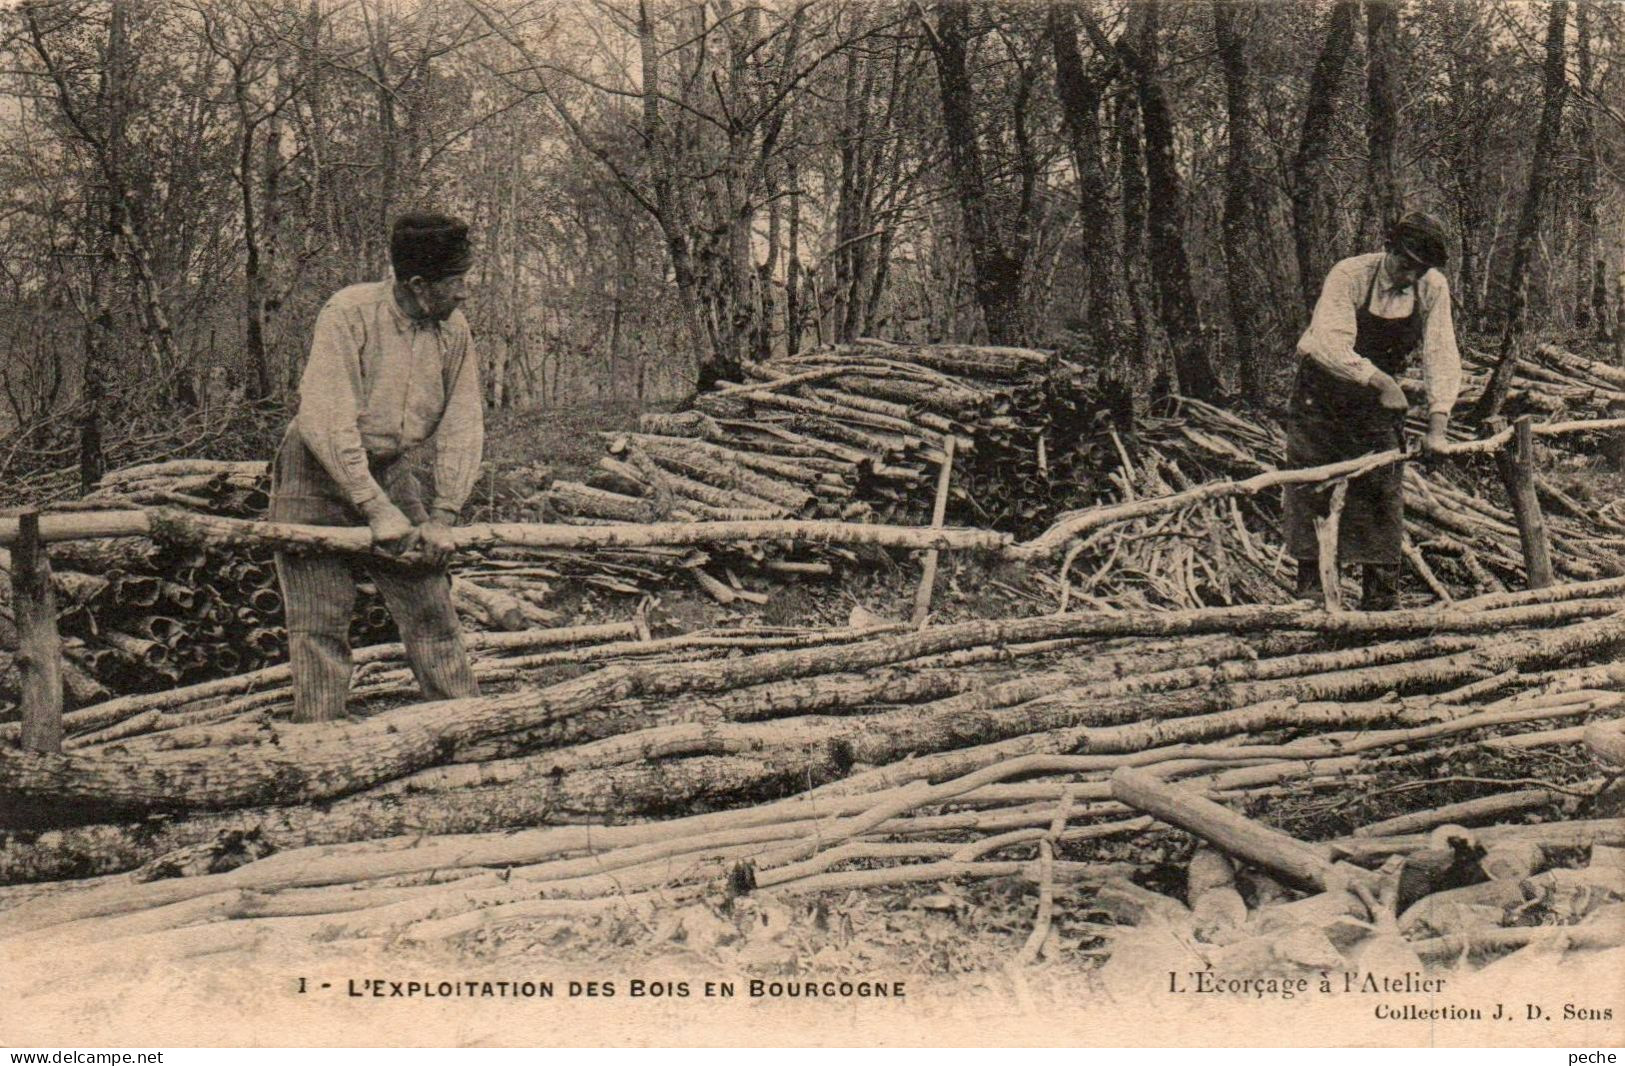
[661, 190]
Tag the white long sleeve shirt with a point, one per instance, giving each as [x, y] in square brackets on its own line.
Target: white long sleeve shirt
[380, 382]
[1329, 340]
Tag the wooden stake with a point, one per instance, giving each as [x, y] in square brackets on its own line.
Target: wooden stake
[1331, 586]
[39, 646]
[1517, 467]
[928, 577]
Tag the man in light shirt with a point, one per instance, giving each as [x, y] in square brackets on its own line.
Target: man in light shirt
[391, 365]
[1374, 312]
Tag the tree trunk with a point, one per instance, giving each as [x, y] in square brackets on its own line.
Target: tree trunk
[792, 268]
[709, 353]
[1381, 207]
[1248, 296]
[1553, 94]
[1309, 165]
[1150, 343]
[1591, 270]
[1177, 298]
[259, 380]
[1111, 319]
[998, 253]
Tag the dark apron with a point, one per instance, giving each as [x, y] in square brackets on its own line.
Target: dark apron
[1331, 420]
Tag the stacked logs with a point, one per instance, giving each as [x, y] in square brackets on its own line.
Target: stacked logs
[976, 750]
[137, 616]
[856, 430]
[1552, 380]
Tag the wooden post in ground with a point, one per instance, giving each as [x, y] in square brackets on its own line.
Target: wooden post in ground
[1517, 466]
[939, 511]
[39, 645]
[1613, 445]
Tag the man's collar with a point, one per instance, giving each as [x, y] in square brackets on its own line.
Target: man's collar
[402, 319]
[1386, 283]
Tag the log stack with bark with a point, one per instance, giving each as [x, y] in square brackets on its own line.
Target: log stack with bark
[141, 616]
[860, 430]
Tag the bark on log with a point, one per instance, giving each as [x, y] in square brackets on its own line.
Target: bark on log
[1518, 474]
[188, 528]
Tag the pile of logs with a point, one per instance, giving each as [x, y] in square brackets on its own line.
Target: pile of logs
[1550, 380]
[858, 430]
[1459, 542]
[850, 758]
[139, 616]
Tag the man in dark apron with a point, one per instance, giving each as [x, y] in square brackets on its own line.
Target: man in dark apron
[1375, 311]
[391, 365]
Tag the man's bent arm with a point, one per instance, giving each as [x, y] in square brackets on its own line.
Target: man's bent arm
[330, 409]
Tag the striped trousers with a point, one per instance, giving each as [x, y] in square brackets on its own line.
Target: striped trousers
[318, 590]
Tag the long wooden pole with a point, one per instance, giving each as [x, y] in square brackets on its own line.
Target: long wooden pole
[39, 645]
[188, 527]
[191, 528]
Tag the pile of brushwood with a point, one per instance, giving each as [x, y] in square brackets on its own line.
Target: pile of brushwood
[1050, 748]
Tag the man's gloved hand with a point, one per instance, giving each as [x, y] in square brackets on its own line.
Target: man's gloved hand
[434, 537]
[391, 530]
[1390, 395]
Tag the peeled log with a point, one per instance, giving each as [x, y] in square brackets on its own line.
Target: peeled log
[573, 498]
[500, 609]
[1293, 862]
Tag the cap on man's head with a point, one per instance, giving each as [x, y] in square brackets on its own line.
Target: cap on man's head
[430, 246]
[1421, 236]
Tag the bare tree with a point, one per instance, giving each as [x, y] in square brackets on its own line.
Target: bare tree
[1554, 92]
[1309, 166]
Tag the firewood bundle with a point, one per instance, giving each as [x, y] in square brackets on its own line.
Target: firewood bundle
[985, 749]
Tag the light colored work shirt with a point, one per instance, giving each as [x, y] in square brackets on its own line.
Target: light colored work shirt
[380, 382]
[1329, 340]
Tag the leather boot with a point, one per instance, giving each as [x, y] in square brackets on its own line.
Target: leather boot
[1379, 587]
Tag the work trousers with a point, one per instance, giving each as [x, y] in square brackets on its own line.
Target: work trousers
[318, 591]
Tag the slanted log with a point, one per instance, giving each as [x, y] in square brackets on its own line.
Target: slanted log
[1292, 861]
